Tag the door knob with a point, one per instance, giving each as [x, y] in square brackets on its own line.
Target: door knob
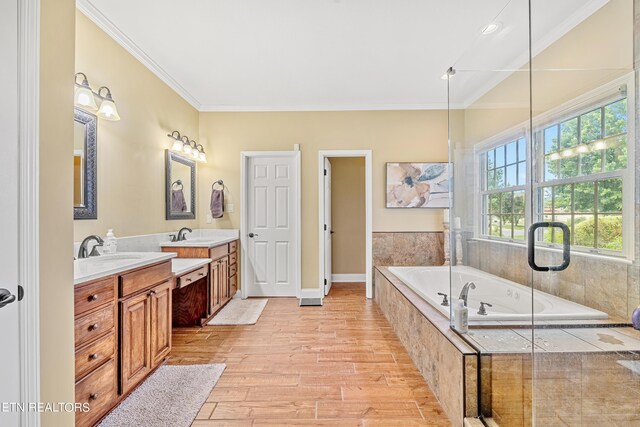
[252, 235]
[6, 297]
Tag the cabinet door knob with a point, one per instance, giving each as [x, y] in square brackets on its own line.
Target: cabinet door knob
[200, 274]
[93, 356]
[93, 396]
[152, 292]
[93, 327]
[93, 297]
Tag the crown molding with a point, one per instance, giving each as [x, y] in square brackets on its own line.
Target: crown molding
[320, 107]
[91, 12]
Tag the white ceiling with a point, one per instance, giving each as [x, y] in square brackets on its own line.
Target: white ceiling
[294, 55]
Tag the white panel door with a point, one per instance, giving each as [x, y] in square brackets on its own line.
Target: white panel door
[9, 350]
[327, 226]
[271, 225]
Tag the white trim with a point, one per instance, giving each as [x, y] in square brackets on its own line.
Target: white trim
[311, 293]
[28, 228]
[348, 278]
[323, 107]
[112, 30]
[244, 158]
[367, 154]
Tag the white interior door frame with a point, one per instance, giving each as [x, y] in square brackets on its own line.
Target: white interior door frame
[244, 159]
[28, 228]
[367, 154]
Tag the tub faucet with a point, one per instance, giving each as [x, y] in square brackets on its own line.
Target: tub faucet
[464, 294]
[83, 252]
[181, 233]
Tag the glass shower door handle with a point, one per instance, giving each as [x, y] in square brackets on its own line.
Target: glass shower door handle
[566, 246]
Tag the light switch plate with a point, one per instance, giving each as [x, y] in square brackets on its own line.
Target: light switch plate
[209, 218]
[229, 208]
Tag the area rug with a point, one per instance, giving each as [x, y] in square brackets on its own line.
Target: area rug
[240, 312]
[171, 397]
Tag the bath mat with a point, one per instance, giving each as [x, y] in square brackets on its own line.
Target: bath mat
[240, 312]
[171, 396]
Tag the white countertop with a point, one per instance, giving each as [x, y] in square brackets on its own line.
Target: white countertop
[92, 268]
[180, 266]
[200, 242]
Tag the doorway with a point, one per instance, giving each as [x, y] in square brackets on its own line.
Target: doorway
[345, 250]
[270, 223]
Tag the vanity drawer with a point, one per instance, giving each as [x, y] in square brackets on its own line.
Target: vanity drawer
[99, 390]
[93, 325]
[218, 251]
[192, 277]
[233, 258]
[93, 355]
[233, 285]
[144, 279]
[233, 269]
[233, 246]
[87, 297]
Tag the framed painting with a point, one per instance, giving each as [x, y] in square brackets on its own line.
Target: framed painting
[418, 185]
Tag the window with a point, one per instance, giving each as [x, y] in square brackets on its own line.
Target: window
[503, 195]
[582, 180]
[579, 179]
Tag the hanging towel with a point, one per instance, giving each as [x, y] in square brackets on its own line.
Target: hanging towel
[217, 203]
[178, 204]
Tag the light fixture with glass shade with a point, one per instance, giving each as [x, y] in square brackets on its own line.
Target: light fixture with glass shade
[107, 110]
[183, 145]
[83, 96]
[195, 152]
[176, 145]
[186, 145]
[203, 156]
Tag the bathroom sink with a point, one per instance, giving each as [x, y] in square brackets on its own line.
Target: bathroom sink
[115, 257]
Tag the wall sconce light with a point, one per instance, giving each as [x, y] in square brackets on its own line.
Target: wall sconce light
[85, 98]
[183, 145]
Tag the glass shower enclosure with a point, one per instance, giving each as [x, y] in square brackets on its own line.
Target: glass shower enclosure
[545, 207]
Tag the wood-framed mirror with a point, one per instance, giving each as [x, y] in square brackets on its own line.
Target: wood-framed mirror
[85, 165]
[180, 185]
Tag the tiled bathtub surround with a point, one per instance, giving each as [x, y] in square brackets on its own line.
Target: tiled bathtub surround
[447, 363]
[602, 284]
[408, 248]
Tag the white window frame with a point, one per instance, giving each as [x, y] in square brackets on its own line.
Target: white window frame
[580, 105]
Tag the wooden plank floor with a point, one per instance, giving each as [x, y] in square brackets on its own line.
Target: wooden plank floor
[336, 365]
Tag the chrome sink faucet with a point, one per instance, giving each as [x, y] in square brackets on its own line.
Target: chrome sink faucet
[181, 234]
[464, 294]
[83, 252]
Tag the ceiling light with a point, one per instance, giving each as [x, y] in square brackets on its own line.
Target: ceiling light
[108, 110]
[567, 153]
[600, 145]
[490, 28]
[83, 96]
[582, 148]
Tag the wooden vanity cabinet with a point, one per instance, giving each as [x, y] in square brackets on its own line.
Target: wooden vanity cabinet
[145, 322]
[223, 278]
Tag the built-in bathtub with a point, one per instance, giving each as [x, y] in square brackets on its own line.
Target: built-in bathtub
[510, 301]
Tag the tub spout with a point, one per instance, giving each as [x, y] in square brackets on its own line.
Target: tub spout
[464, 294]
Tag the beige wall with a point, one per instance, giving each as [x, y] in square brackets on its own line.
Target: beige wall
[393, 136]
[348, 215]
[131, 152]
[56, 198]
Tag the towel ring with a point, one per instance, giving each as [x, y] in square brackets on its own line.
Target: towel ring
[177, 183]
[219, 182]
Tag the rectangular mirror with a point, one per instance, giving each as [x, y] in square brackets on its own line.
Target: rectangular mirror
[85, 137]
[180, 187]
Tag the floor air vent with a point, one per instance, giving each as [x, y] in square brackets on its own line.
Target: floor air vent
[310, 301]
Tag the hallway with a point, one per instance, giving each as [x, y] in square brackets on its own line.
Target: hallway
[340, 364]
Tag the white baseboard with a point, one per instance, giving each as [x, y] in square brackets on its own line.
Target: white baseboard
[311, 293]
[340, 278]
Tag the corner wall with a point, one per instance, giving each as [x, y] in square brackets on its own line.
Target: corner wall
[57, 369]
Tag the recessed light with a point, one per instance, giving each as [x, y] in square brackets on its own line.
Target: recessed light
[490, 28]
